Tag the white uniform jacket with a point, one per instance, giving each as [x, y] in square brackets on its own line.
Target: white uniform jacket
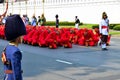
[104, 26]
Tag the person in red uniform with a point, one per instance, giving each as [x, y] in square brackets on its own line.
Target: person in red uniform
[2, 34]
[58, 38]
[29, 37]
[51, 40]
[28, 29]
[85, 37]
[72, 34]
[81, 39]
[35, 36]
[66, 39]
[96, 36]
[75, 36]
[42, 37]
[108, 40]
[91, 38]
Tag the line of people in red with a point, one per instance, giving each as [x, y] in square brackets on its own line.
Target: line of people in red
[46, 36]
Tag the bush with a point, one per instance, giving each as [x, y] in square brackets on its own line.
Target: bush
[67, 23]
[111, 26]
[117, 27]
[64, 23]
[95, 26]
[50, 23]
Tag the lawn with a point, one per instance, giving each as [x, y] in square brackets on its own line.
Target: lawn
[89, 26]
[115, 33]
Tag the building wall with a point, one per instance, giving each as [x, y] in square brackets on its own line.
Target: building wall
[88, 11]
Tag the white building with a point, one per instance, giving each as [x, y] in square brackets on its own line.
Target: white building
[88, 11]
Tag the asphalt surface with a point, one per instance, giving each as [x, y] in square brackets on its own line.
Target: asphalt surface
[77, 63]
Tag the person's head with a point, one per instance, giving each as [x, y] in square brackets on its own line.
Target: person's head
[7, 15]
[14, 29]
[38, 16]
[104, 15]
[76, 17]
[56, 16]
[10, 14]
[42, 15]
[57, 32]
[33, 16]
[24, 16]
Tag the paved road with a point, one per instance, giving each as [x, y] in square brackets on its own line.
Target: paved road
[77, 63]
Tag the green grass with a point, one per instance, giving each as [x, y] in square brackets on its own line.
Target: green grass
[89, 26]
[114, 32]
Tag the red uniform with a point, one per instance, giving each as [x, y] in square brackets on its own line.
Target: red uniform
[66, 40]
[58, 39]
[42, 37]
[51, 40]
[81, 39]
[2, 34]
[96, 36]
[86, 38]
[108, 40]
[28, 29]
[30, 35]
[35, 38]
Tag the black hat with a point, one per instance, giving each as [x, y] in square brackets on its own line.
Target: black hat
[14, 27]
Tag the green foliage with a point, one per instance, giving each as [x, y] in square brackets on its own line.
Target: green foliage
[67, 23]
[114, 32]
[111, 26]
[29, 23]
[117, 27]
[95, 26]
[64, 23]
[50, 23]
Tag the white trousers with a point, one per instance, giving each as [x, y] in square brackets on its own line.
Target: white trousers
[77, 25]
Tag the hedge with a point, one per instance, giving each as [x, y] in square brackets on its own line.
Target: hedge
[117, 27]
[111, 26]
[95, 26]
[65, 23]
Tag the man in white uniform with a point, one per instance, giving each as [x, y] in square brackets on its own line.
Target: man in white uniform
[104, 30]
[77, 22]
